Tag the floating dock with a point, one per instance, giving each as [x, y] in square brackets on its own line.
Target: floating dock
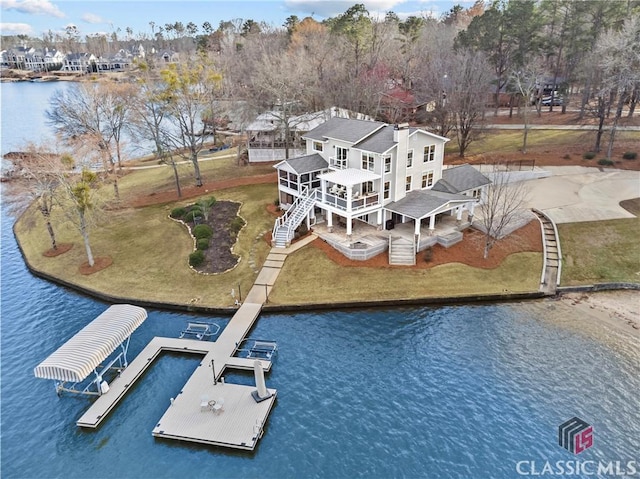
[207, 410]
[237, 421]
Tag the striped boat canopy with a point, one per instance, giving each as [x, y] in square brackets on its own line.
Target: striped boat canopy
[85, 351]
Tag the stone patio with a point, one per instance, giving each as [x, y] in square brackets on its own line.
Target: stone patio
[368, 241]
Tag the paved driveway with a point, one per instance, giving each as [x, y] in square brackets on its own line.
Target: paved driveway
[576, 193]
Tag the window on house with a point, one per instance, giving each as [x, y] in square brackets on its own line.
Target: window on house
[429, 153]
[427, 179]
[368, 161]
[476, 193]
[407, 185]
[368, 187]
[387, 164]
[317, 146]
[341, 157]
[387, 186]
[409, 158]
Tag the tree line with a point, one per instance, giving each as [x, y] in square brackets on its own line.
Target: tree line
[454, 64]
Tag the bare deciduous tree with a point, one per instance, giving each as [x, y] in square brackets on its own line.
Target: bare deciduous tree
[618, 56]
[470, 80]
[502, 207]
[148, 111]
[525, 82]
[92, 114]
[284, 85]
[36, 180]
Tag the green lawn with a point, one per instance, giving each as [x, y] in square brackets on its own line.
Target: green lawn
[150, 254]
[221, 166]
[309, 276]
[600, 251]
[506, 141]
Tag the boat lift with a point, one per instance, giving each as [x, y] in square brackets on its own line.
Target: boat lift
[200, 330]
[256, 349]
[83, 354]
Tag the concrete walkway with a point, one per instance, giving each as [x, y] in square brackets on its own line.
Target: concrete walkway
[575, 193]
[263, 284]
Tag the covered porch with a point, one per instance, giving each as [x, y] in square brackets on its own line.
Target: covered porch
[367, 241]
[427, 208]
[348, 194]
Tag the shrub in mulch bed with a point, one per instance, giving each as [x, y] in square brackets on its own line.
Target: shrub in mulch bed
[215, 226]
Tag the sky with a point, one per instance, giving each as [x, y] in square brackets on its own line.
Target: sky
[35, 17]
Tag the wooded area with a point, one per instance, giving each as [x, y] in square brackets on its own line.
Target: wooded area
[442, 73]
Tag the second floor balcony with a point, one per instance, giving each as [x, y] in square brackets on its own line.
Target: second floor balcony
[349, 189]
[340, 201]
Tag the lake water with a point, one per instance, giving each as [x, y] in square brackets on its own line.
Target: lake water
[456, 391]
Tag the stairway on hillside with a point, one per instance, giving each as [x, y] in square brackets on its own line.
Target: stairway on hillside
[553, 255]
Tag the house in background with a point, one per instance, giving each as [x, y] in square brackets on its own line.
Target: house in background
[363, 183]
[399, 105]
[16, 57]
[167, 56]
[78, 62]
[270, 139]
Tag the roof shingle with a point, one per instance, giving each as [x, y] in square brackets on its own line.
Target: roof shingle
[461, 178]
[422, 203]
[344, 129]
[306, 164]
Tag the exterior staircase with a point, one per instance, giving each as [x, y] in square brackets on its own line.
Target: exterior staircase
[552, 256]
[286, 225]
[402, 251]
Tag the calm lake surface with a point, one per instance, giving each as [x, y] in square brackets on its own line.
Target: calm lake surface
[457, 391]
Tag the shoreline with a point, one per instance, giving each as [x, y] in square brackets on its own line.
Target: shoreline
[614, 304]
[618, 309]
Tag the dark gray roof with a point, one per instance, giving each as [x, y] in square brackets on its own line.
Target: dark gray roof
[421, 203]
[344, 129]
[461, 178]
[306, 164]
[379, 142]
[382, 140]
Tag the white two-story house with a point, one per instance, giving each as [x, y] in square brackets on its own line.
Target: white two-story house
[373, 174]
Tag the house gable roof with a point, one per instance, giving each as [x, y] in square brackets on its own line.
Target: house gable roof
[461, 178]
[344, 129]
[419, 204]
[428, 133]
[380, 142]
[303, 164]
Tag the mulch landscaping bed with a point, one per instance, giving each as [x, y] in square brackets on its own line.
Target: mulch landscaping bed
[61, 249]
[98, 265]
[218, 257]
